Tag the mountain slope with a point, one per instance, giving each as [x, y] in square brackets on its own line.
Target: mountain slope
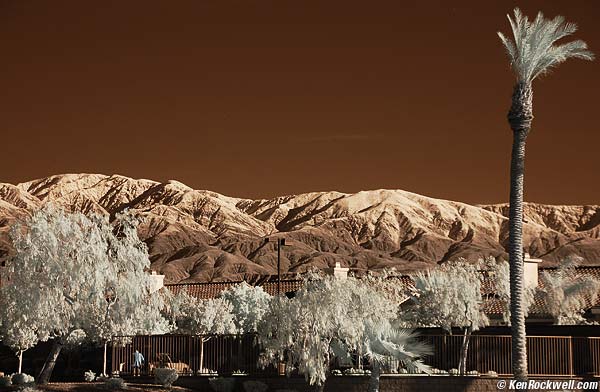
[196, 235]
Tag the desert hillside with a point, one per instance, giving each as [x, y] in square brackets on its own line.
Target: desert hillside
[199, 235]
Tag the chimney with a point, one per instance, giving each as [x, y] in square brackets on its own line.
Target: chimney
[156, 281]
[530, 270]
[338, 271]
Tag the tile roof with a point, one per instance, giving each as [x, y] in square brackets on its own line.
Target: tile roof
[208, 290]
[492, 306]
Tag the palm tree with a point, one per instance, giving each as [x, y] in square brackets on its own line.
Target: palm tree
[533, 53]
[383, 344]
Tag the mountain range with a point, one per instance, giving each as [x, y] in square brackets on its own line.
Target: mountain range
[199, 235]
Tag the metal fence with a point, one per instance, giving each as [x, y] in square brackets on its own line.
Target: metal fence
[547, 355]
[188, 354]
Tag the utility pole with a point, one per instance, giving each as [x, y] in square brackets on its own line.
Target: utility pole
[280, 243]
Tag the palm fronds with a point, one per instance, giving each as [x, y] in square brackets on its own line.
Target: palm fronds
[534, 50]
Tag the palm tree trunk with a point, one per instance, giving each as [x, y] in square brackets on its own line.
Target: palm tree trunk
[48, 367]
[519, 117]
[375, 373]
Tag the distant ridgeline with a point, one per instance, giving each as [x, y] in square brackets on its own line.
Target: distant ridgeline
[203, 236]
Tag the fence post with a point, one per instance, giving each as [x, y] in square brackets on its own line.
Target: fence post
[571, 355]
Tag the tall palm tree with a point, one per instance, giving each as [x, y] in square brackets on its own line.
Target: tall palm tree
[533, 53]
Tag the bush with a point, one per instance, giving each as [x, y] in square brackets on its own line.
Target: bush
[356, 372]
[222, 384]
[453, 372]
[89, 376]
[22, 379]
[29, 389]
[336, 372]
[473, 373]
[491, 373]
[5, 381]
[207, 371]
[255, 386]
[165, 376]
[114, 384]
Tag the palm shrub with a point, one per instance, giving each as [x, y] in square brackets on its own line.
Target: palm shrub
[114, 384]
[255, 386]
[165, 376]
[89, 376]
[22, 379]
[5, 381]
[222, 384]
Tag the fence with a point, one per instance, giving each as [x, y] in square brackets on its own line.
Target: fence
[547, 355]
[188, 354]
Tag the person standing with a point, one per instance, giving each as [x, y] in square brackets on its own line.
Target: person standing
[138, 361]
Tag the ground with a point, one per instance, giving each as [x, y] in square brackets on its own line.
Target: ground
[99, 387]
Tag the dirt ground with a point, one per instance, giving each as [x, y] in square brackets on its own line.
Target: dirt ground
[99, 387]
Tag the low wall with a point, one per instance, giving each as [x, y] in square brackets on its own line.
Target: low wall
[361, 383]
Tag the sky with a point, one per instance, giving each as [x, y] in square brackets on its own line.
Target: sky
[265, 98]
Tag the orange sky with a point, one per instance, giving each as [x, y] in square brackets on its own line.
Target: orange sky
[263, 98]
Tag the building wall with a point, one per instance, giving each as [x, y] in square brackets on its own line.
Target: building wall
[361, 383]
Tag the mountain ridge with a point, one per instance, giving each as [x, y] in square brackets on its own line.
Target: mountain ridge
[200, 235]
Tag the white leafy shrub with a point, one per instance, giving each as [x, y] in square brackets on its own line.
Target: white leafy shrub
[255, 386]
[207, 371]
[356, 372]
[453, 372]
[492, 373]
[5, 381]
[336, 372]
[89, 376]
[114, 384]
[22, 379]
[473, 373]
[222, 384]
[403, 371]
[29, 389]
[165, 376]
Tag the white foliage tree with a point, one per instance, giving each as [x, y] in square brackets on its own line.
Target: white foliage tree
[194, 316]
[498, 273]
[74, 272]
[328, 318]
[446, 297]
[249, 305]
[17, 331]
[568, 294]
[146, 318]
